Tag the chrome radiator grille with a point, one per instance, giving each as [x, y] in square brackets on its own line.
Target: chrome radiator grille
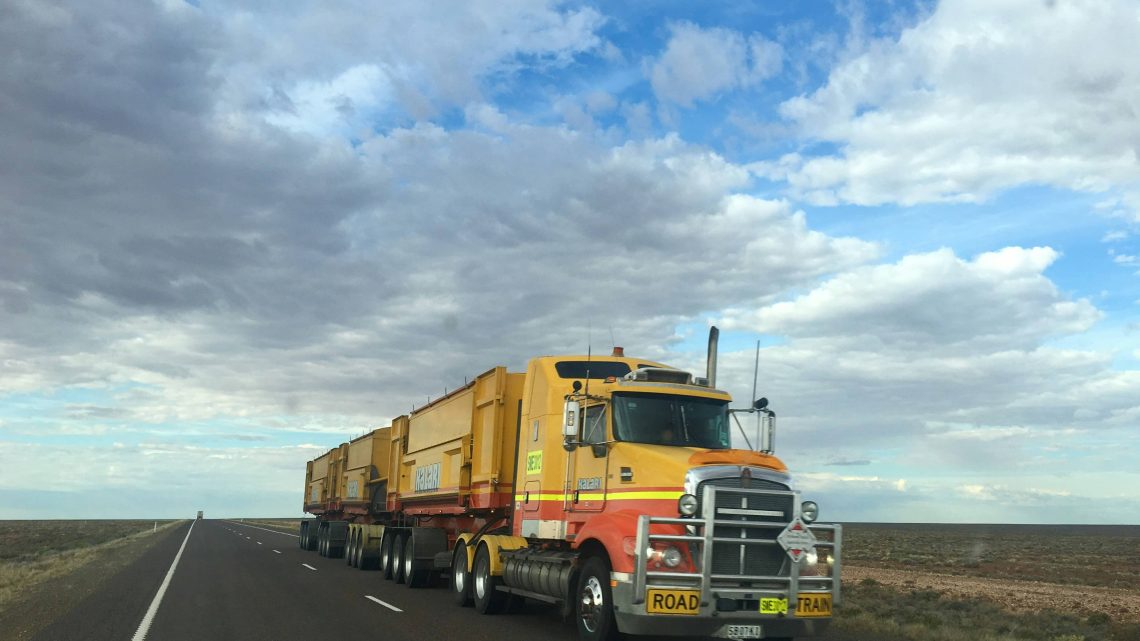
[740, 559]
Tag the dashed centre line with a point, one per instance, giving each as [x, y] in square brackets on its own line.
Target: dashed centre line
[387, 605]
[277, 551]
[309, 566]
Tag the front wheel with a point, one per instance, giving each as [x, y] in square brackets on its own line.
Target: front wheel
[595, 607]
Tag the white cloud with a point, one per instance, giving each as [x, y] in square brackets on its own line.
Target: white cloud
[971, 101]
[318, 107]
[421, 59]
[698, 64]
[935, 301]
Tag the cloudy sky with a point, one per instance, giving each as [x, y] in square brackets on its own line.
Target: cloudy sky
[235, 235]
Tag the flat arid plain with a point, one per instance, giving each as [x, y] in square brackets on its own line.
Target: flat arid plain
[901, 581]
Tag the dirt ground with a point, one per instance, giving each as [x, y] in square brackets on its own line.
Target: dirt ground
[1014, 595]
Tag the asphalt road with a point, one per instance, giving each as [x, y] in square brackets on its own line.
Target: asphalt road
[234, 581]
[240, 582]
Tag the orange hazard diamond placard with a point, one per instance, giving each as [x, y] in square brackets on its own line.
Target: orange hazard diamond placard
[797, 540]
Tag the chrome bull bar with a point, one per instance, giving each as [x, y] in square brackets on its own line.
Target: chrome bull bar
[702, 530]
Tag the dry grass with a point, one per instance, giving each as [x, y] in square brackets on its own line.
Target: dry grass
[32, 552]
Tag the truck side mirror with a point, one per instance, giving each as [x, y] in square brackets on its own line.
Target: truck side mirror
[570, 413]
[760, 403]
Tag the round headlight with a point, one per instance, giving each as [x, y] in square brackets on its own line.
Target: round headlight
[687, 505]
[809, 511]
[671, 557]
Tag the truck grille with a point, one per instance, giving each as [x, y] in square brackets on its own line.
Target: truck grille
[749, 560]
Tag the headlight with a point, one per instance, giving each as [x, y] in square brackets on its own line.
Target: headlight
[809, 511]
[671, 557]
[687, 505]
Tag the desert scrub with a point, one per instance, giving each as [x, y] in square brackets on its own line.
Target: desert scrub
[1105, 556]
[34, 551]
[872, 610]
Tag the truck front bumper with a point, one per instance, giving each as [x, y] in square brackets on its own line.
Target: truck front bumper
[633, 619]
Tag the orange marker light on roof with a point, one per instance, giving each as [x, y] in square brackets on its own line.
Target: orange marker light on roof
[618, 351]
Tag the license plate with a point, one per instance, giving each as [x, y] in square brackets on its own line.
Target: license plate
[673, 601]
[773, 605]
[740, 632]
[813, 605]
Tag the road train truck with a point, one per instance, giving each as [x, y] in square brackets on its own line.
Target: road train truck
[607, 485]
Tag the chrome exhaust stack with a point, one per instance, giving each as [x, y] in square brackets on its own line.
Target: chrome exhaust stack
[710, 364]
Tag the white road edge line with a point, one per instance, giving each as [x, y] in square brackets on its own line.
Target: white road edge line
[387, 605]
[309, 566]
[144, 625]
[296, 536]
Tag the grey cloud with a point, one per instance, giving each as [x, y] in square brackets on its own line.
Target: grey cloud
[238, 268]
[843, 462]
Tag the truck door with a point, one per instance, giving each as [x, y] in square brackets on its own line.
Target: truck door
[590, 464]
[531, 478]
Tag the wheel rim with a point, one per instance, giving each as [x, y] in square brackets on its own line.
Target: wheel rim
[480, 577]
[385, 554]
[592, 603]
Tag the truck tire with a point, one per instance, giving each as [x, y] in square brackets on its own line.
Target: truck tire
[460, 578]
[367, 557]
[350, 547]
[336, 535]
[322, 540]
[311, 535]
[417, 573]
[386, 554]
[488, 599]
[301, 540]
[398, 548]
[595, 604]
[358, 548]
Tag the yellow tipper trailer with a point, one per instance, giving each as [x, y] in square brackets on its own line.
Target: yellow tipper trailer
[609, 485]
[456, 455]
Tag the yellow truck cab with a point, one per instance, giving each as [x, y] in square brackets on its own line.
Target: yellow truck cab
[631, 463]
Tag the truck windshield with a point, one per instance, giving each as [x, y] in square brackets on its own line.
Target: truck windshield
[671, 420]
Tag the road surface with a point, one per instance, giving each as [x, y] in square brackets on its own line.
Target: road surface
[225, 580]
[242, 582]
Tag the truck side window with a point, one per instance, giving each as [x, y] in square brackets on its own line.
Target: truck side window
[594, 430]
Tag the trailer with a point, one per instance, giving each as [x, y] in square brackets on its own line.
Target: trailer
[608, 486]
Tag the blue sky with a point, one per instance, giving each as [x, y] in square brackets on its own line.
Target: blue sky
[235, 236]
